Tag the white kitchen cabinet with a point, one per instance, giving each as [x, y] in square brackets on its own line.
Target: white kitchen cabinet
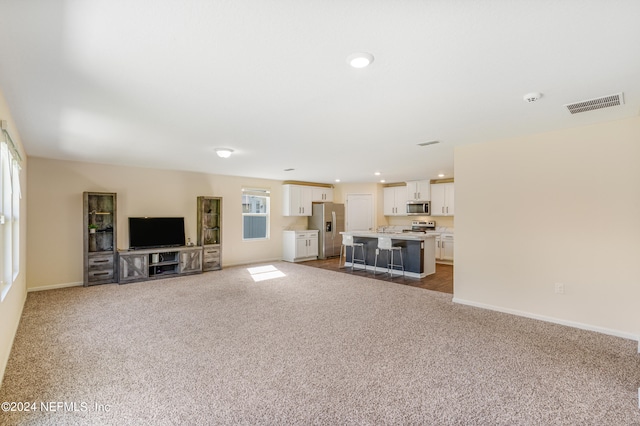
[419, 190]
[321, 194]
[299, 245]
[444, 247]
[395, 201]
[296, 200]
[442, 199]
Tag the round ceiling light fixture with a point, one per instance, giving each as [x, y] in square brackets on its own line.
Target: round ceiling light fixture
[224, 152]
[360, 60]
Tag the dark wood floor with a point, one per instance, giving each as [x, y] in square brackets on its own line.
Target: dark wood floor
[442, 280]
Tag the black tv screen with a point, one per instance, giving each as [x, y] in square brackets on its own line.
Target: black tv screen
[152, 232]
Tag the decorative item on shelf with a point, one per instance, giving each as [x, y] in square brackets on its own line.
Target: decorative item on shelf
[92, 228]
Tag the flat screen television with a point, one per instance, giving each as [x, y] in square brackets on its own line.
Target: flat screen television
[154, 232]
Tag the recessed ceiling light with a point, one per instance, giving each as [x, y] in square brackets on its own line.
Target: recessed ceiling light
[377, 173]
[360, 60]
[337, 180]
[224, 152]
[382, 181]
[441, 175]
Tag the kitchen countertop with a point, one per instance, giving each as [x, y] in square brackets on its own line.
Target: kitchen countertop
[439, 230]
[393, 235]
[418, 252]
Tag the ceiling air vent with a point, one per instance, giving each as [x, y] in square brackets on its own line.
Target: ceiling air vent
[428, 143]
[598, 103]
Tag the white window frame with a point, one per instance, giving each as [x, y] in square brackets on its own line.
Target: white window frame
[267, 215]
[10, 195]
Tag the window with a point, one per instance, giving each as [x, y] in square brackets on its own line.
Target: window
[9, 216]
[255, 214]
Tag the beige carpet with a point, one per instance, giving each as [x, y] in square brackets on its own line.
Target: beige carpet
[312, 347]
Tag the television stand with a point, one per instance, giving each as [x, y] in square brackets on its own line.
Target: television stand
[156, 263]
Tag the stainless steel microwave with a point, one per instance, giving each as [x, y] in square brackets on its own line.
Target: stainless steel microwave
[418, 208]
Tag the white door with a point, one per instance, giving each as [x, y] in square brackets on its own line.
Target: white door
[359, 212]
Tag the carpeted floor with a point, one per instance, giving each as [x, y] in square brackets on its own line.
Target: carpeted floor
[310, 347]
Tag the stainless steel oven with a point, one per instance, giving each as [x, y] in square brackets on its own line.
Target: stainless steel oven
[418, 208]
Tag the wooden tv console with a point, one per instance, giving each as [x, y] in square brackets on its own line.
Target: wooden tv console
[156, 263]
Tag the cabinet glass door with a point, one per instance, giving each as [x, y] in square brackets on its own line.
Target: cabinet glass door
[209, 221]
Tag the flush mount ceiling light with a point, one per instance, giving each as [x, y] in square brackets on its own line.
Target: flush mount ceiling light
[224, 152]
[360, 60]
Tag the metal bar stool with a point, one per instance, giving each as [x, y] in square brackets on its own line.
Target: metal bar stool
[384, 243]
[347, 241]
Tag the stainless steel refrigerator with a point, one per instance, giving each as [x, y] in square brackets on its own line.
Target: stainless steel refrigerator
[328, 219]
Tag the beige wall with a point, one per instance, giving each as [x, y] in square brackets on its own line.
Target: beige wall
[11, 306]
[560, 207]
[54, 242]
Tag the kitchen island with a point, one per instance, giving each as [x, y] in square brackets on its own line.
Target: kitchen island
[418, 252]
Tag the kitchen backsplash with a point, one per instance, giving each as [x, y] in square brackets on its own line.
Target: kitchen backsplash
[402, 222]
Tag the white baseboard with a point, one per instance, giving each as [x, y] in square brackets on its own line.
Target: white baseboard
[54, 286]
[574, 324]
[252, 262]
[79, 284]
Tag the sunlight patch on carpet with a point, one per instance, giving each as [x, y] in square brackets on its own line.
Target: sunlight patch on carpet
[263, 273]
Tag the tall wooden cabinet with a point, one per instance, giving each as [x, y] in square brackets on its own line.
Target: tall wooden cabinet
[210, 232]
[99, 234]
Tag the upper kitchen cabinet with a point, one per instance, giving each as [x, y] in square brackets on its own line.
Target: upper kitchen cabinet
[321, 194]
[296, 200]
[419, 190]
[442, 199]
[395, 201]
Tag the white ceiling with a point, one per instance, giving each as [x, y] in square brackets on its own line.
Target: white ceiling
[162, 83]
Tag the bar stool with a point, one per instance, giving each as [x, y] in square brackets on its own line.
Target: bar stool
[384, 243]
[347, 241]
